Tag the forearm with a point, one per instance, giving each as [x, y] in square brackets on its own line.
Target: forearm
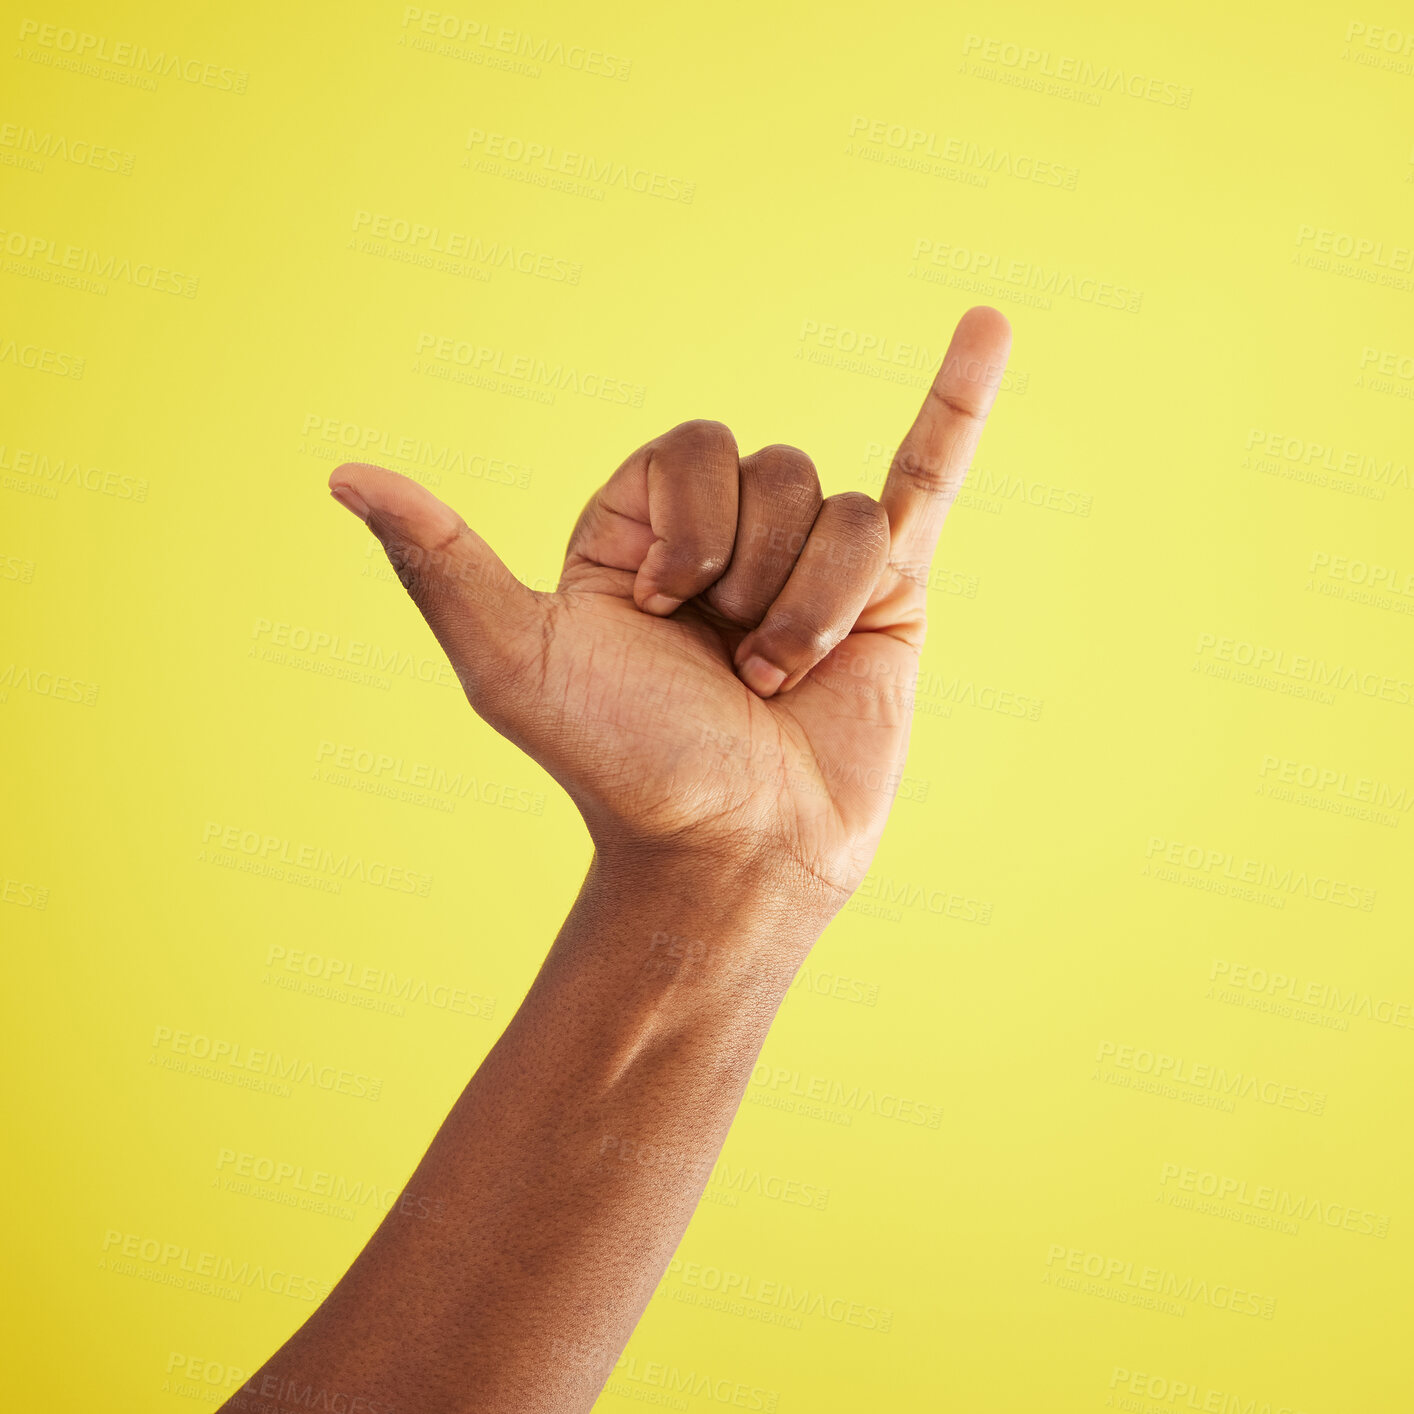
[531, 1236]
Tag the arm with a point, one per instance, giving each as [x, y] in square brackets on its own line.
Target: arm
[531, 1236]
[723, 684]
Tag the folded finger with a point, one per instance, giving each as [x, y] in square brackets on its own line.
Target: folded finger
[841, 561]
[668, 515]
[778, 500]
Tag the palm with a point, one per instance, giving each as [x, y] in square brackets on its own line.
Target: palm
[647, 721]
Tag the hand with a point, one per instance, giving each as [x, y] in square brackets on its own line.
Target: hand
[724, 676]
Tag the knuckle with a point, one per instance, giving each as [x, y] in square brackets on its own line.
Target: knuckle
[862, 518]
[861, 509]
[698, 564]
[915, 572]
[787, 478]
[788, 464]
[733, 602]
[429, 571]
[924, 474]
[796, 638]
[964, 407]
[405, 562]
[703, 435]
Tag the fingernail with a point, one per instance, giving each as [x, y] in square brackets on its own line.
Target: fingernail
[350, 500]
[761, 677]
[660, 604]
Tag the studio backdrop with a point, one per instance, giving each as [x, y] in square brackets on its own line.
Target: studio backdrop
[1096, 1095]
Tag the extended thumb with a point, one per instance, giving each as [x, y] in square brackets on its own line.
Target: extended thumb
[478, 609]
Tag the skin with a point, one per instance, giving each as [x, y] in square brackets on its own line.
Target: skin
[723, 684]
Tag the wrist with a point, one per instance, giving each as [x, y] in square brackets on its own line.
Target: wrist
[709, 917]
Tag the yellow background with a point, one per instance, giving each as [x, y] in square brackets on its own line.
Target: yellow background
[1130, 538]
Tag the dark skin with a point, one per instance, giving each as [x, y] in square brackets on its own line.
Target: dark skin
[723, 683]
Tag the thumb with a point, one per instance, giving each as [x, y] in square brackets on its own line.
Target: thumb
[486, 620]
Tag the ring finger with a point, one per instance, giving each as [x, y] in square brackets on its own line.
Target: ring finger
[838, 567]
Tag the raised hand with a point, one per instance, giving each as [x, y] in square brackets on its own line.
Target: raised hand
[725, 671]
[723, 682]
